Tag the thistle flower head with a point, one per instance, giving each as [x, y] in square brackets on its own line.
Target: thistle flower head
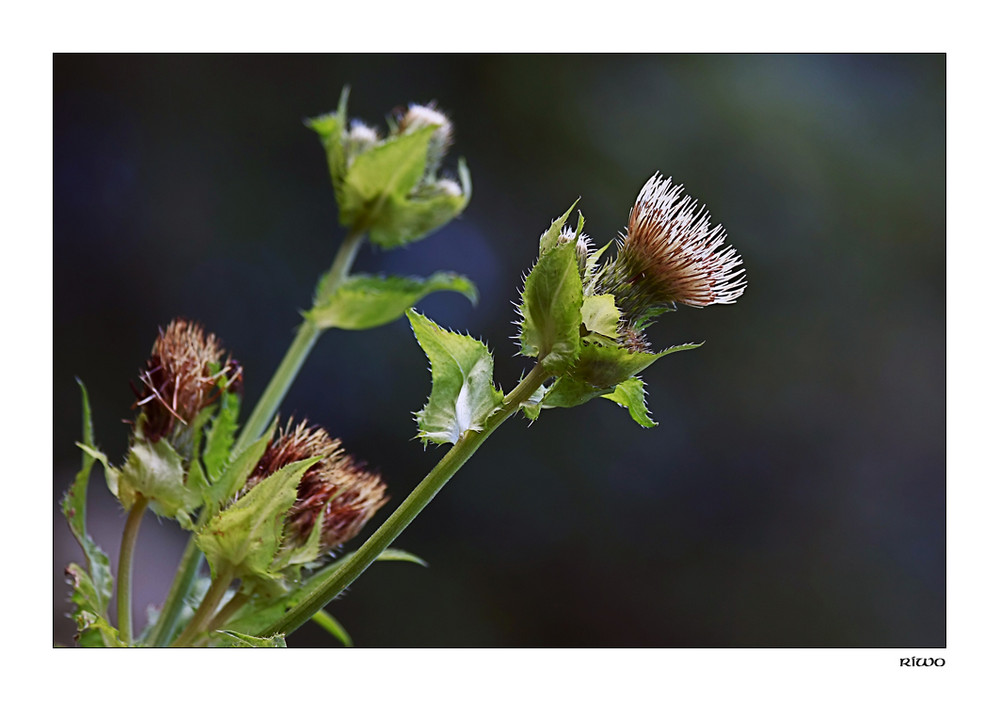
[183, 376]
[671, 254]
[336, 487]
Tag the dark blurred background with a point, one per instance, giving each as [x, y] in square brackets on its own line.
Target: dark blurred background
[793, 494]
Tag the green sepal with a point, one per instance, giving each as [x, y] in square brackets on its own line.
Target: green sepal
[600, 315]
[234, 639]
[235, 473]
[93, 630]
[590, 269]
[247, 535]
[550, 309]
[331, 626]
[308, 552]
[386, 172]
[607, 366]
[74, 509]
[365, 301]
[570, 392]
[631, 395]
[403, 220]
[550, 237]
[221, 435]
[462, 391]
[599, 370]
[330, 128]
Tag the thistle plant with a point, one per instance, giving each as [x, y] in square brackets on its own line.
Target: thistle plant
[271, 510]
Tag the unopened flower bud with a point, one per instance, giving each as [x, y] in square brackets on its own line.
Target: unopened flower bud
[419, 116]
[358, 139]
[446, 186]
[671, 254]
[183, 376]
[336, 487]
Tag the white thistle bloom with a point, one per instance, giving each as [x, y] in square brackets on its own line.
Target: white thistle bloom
[671, 253]
[424, 116]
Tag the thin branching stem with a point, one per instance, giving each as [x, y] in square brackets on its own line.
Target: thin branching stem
[206, 610]
[297, 353]
[129, 536]
[234, 605]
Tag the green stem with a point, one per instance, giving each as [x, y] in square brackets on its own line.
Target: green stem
[204, 614]
[261, 416]
[234, 605]
[187, 571]
[296, 355]
[129, 537]
[383, 537]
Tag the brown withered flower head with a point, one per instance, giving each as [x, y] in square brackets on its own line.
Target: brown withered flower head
[671, 254]
[183, 376]
[337, 486]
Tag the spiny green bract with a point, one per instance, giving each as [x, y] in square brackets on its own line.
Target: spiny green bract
[576, 332]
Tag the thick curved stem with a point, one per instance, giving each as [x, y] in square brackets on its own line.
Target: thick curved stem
[383, 537]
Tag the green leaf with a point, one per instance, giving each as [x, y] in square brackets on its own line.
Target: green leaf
[389, 170]
[92, 628]
[395, 554]
[631, 395]
[550, 307]
[332, 627]
[403, 220]
[74, 509]
[462, 391]
[330, 128]
[365, 301]
[550, 237]
[247, 534]
[221, 435]
[600, 315]
[156, 471]
[234, 639]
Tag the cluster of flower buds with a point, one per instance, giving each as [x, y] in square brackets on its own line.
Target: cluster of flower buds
[390, 186]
